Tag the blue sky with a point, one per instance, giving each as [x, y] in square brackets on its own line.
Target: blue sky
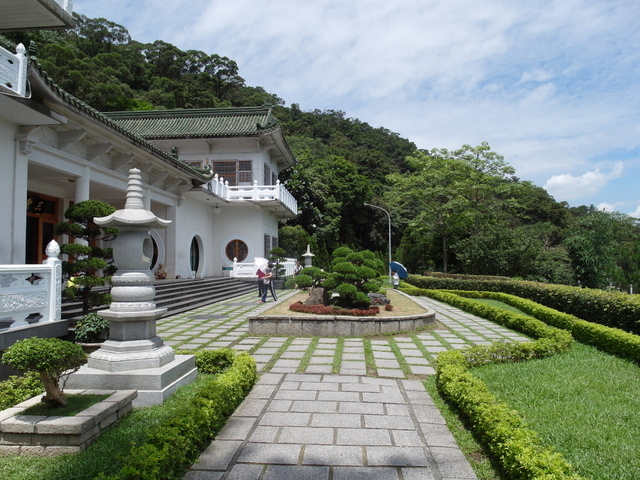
[553, 86]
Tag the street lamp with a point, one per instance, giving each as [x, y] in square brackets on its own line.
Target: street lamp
[389, 216]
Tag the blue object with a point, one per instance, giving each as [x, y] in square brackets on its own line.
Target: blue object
[399, 269]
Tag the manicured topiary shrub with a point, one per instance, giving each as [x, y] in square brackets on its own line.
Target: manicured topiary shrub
[51, 358]
[517, 448]
[613, 309]
[214, 361]
[353, 275]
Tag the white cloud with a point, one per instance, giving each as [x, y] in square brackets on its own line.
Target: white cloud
[635, 213]
[569, 187]
[549, 85]
[610, 207]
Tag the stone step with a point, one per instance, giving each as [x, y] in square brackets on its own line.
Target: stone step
[179, 295]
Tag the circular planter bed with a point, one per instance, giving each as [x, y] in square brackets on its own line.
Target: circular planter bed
[284, 322]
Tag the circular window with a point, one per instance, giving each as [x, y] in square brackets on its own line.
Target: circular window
[237, 249]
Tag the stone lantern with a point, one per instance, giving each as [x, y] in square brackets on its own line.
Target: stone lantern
[308, 257]
[134, 357]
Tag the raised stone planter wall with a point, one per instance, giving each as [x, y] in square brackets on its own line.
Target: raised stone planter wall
[336, 325]
[49, 436]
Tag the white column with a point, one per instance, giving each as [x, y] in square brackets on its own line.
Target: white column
[17, 207]
[83, 186]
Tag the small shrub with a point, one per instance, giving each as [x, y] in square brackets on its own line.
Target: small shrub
[388, 308]
[173, 445]
[51, 358]
[214, 361]
[92, 328]
[17, 389]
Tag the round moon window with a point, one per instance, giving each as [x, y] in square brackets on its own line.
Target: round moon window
[237, 249]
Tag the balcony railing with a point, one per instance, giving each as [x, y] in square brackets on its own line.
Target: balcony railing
[13, 71]
[253, 193]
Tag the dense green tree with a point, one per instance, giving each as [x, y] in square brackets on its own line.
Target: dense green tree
[595, 242]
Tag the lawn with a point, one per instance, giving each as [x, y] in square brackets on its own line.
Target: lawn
[584, 404]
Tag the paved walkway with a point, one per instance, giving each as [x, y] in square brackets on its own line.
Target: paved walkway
[332, 408]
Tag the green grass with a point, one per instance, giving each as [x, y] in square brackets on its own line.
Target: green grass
[585, 404]
[499, 304]
[102, 455]
[75, 404]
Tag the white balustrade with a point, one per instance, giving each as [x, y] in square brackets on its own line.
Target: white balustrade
[31, 293]
[256, 193]
[248, 270]
[13, 71]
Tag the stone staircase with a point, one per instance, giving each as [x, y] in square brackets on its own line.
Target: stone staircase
[179, 295]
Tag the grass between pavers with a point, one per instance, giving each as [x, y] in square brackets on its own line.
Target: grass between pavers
[584, 403]
[337, 359]
[276, 356]
[306, 359]
[103, 455]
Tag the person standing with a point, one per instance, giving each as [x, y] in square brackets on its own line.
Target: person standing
[267, 284]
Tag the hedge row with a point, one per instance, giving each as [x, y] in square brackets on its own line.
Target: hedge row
[612, 309]
[611, 340]
[517, 448]
[176, 443]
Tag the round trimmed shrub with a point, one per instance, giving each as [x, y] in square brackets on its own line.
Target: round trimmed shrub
[51, 358]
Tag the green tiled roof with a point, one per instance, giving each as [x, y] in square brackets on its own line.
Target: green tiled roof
[198, 123]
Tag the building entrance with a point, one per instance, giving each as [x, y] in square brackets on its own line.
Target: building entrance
[42, 216]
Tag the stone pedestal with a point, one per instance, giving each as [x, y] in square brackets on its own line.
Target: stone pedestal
[134, 357]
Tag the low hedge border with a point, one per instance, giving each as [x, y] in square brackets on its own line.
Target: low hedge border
[612, 309]
[608, 339]
[516, 447]
[176, 443]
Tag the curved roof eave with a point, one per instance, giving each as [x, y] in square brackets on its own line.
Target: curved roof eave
[39, 78]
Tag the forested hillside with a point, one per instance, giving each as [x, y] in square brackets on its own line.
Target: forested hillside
[458, 211]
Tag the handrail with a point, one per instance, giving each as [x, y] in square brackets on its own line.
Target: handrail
[31, 293]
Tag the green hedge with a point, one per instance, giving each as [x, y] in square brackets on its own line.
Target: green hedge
[611, 340]
[176, 443]
[612, 309]
[517, 448]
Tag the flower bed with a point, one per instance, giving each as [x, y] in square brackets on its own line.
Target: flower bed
[332, 310]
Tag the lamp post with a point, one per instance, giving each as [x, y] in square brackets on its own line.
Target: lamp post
[388, 216]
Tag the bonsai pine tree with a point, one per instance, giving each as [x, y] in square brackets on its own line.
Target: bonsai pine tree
[51, 359]
[276, 255]
[87, 265]
[354, 275]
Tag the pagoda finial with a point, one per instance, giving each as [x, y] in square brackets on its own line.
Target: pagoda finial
[134, 191]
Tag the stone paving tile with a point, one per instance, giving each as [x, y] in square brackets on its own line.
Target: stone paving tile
[284, 442]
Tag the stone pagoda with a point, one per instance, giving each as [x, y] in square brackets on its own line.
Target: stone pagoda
[134, 357]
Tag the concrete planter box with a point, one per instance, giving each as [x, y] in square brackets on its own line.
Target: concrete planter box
[49, 436]
[336, 325]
